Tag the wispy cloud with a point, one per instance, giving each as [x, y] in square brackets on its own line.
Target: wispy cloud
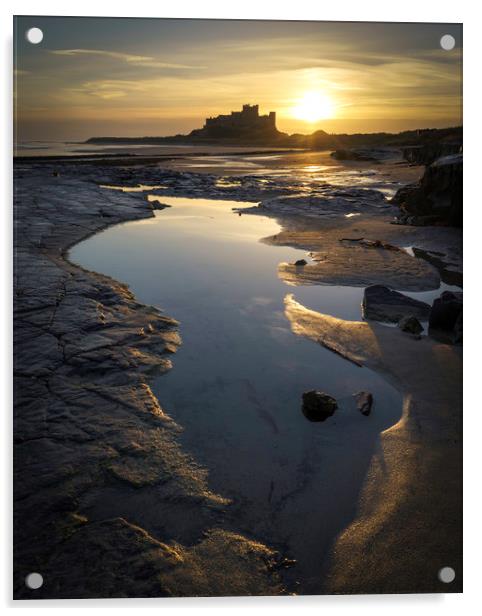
[145, 61]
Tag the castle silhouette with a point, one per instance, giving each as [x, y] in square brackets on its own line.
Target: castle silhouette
[247, 118]
[244, 124]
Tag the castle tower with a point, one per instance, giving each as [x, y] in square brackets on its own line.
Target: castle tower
[250, 112]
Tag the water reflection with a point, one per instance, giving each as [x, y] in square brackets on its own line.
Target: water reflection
[138, 188]
[237, 379]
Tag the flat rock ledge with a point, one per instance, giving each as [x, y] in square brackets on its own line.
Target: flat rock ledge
[106, 504]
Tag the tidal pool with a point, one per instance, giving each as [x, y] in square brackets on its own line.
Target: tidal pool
[237, 379]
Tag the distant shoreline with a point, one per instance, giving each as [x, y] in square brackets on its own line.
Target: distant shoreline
[318, 139]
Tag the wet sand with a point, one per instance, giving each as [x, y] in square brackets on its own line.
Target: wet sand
[409, 519]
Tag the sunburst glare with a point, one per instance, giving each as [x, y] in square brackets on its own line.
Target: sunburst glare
[313, 107]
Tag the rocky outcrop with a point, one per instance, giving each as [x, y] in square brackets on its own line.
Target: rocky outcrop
[428, 153]
[383, 304]
[446, 316]
[318, 406]
[436, 198]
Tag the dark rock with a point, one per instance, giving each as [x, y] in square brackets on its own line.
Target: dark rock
[445, 312]
[443, 265]
[410, 324]
[318, 406]
[364, 402]
[382, 304]
[437, 197]
[458, 330]
[300, 262]
[428, 153]
[284, 563]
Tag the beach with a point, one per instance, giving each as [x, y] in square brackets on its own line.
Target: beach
[207, 482]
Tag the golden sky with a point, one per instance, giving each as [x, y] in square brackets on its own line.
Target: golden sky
[102, 76]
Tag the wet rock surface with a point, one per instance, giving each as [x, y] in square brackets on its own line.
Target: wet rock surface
[410, 324]
[318, 406]
[449, 266]
[106, 504]
[364, 402]
[360, 264]
[383, 304]
[322, 201]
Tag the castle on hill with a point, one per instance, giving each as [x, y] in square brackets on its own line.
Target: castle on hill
[247, 118]
[244, 124]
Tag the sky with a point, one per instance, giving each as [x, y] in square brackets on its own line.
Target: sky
[135, 77]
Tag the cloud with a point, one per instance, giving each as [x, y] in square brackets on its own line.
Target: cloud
[145, 61]
[367, 77]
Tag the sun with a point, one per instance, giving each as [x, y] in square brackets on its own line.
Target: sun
[314, 106]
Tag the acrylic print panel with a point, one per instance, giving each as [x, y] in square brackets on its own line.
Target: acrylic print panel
[238, 308]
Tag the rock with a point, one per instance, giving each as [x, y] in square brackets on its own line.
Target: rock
[458, 329]
[448, 266]
[382, 304]
[428, 153]
[300, 262]
[410, 324]
[445, 313]
[318, 406]
[437, 197]
[364, 402]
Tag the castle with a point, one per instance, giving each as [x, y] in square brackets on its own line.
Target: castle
[248, 119]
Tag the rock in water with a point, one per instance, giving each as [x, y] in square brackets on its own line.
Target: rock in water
[318, 406]
[300, 262]
[446, 314]
[364, 402]
[410, 324]
[382, 304]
